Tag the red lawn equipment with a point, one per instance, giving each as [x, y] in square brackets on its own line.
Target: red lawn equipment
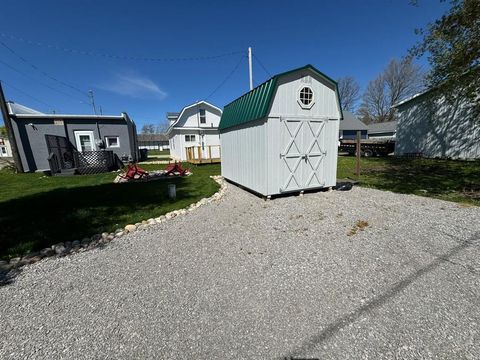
[134, 173]
[175, 169]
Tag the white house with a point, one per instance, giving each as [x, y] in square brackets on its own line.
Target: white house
[194, 132]
[282, 136]
[5, 149]
[431, 126]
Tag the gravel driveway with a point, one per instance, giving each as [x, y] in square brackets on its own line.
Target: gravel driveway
[249, 279]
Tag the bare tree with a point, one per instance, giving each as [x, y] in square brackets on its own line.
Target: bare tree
[399, 80]
[375, 106]
[349, 92]
[162, 127]
[148, 129]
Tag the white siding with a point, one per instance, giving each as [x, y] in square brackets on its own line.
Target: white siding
[286, 104]
[278, 139]
[251, 153]
[244, 155]
[205, 137]
[189, 124]
[437, 129]
[5, 149]
[190, 118]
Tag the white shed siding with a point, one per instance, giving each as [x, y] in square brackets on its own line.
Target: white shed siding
[285, 102]
[437, 129]
[245, 150]
[253, 154]
[278, 139]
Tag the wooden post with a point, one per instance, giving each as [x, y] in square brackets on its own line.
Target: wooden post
[210, 152]
[11, 136]
[200, 154]
[359, 153]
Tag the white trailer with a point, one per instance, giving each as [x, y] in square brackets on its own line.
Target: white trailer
[282, 136]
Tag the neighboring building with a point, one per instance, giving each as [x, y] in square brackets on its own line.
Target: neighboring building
[350, 125]
[40, 136]
[382, 131]
[282, 136]
[153, 141]
[195, 131]
[431, 126]
[5, 149]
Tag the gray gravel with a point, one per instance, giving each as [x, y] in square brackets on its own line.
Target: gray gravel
[249, 279]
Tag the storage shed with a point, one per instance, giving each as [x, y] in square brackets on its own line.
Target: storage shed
[282, 136]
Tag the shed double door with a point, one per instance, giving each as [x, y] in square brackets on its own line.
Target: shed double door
[302, 157]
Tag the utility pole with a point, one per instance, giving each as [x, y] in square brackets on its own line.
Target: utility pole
[359, 153]
[92, 99]
[250, 71]
[11, 136]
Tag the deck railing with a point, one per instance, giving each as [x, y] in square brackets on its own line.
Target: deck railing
[87, 162]
[207, 154]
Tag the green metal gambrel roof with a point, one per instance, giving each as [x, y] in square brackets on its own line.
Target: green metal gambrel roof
[255, 104]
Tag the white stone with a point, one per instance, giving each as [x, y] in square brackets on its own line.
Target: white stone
[131, 228]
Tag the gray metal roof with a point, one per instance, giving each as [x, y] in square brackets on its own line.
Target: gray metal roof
[350, 122]
[152, 137]
[21, 111]
[14, 109]
[389, 126]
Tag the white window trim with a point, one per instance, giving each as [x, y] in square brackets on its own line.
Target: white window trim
[302, 105]
[107, 143]
[200, 116]
[190, 138]
[84, 132]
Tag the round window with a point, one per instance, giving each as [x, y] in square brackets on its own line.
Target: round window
[306, 96]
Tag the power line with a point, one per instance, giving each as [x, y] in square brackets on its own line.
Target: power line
[228, 77]
[119, 57]
[262, 66]
[41, 71]
[40, 82]
[27, 94]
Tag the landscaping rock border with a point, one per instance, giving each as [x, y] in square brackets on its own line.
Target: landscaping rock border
[100, 240]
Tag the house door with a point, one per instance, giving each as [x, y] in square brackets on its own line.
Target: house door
[84, 141]
[303, 154]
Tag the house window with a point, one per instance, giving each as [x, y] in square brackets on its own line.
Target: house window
[306, 97]
[203, 116]
[112, 141]
[84, 140]
[189, 138]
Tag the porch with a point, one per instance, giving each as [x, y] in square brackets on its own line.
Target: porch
[63, 159]
[209, 154]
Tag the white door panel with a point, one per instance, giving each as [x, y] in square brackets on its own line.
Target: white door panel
[303, 156]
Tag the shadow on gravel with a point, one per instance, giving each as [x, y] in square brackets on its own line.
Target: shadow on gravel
[8, 277]
[333, 328]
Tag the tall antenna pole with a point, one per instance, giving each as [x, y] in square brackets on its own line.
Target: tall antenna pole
[90, 93]
[250, 67]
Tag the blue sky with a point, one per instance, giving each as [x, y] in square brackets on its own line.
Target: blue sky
[339, 37]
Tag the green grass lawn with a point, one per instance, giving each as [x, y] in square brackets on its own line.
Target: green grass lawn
[440, 179]
[158, 152]
[37, 211]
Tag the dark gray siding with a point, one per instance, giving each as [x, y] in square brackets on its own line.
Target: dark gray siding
[31, 141]
[105, 128]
